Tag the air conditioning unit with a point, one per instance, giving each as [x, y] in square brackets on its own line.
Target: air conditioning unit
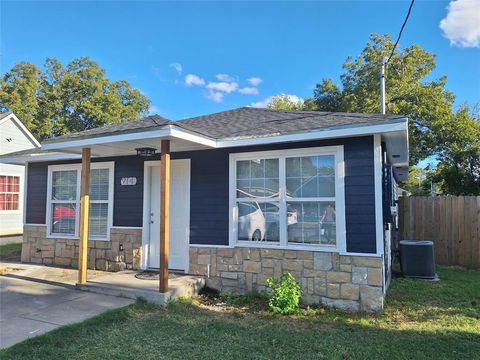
[417, 259]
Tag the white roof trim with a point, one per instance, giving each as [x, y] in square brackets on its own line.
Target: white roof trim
[20, 159]
[22, 127]
[164, 132]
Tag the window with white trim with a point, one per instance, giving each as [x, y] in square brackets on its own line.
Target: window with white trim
[9, 192]
[63, 203]
[288, 198]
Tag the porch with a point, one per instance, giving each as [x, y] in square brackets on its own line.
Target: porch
[123, 284]
[151, 245]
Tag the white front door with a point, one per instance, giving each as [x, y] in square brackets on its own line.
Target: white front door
[179, 216]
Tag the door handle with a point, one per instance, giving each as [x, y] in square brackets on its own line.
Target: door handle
[151, 221]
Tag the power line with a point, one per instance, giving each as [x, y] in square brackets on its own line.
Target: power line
[401, 30]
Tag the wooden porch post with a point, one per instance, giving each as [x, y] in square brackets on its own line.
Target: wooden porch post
[164, 214]
[84, 216]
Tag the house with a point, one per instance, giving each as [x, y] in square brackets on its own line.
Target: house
[14, 136]
[248, 194]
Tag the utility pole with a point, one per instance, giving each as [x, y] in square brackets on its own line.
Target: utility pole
[382, 85]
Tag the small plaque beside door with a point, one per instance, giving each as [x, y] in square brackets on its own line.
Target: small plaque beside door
[128, 181]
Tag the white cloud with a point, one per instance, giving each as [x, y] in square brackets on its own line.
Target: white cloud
[462, 24]
[254, 81]
[216, 96]
[177, 67]
[248, 90]
[194, 80]
[264, 103]
[225, 77]
[226, 84]
[226, 87]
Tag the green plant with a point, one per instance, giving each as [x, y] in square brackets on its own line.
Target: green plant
[286, 294]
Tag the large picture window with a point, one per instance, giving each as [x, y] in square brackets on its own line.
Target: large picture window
[64, 200]
[9, 192]
[291, 198]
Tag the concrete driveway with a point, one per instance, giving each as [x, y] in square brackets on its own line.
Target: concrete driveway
[32, 306]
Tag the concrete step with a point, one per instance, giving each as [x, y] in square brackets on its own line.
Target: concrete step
[123, 292]
[182, 286]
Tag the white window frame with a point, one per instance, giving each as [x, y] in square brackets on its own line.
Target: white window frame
[337, 151]
[20, 199]
[110, 165]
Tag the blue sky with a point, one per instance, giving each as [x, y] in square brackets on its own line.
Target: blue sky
[240, 53]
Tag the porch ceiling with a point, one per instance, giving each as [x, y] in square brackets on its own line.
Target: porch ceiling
[127, 147]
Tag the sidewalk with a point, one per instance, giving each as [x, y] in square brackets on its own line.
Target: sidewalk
[35, 299]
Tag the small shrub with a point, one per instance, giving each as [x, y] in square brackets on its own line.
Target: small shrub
[286, 294]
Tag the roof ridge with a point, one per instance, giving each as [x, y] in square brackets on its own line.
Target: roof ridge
[334, 113]
[210, 114]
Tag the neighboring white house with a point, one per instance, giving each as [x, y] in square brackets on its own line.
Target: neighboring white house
[14, 136]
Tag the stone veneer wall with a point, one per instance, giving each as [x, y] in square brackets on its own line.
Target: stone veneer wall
[102, 255]
[349, 282]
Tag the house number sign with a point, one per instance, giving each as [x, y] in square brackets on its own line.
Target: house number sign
[128, 181]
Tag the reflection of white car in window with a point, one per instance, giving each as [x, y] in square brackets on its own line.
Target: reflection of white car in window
[251, 222]
[272, 217]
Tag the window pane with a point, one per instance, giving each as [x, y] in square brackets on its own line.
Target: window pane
[99, 184]
[310, 176]
[15, 202]
[243, 169]
[271, 213]
[8, 201]
[16, 185]
[9, 184]
[257, 178]
[98, 220]
[258, 221]
[64, 185]
[63, 219]
[3, 185]
[311, 222]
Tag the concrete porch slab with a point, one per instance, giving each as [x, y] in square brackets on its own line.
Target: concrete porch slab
[125, 284]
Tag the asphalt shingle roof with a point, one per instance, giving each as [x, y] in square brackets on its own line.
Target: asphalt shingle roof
[252, 122]
[243, 122]
[115, 129]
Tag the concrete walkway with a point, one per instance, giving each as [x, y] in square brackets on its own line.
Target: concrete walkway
[36, 299]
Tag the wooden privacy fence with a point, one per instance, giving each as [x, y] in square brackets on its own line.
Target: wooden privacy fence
[451, 222]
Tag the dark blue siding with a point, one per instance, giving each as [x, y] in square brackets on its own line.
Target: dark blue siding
[360, 195]
[36, 193]
[128, 200]
[209, 191]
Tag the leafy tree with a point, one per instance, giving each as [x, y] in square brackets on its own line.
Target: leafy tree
[63, 99]
[285, 102]
[458, 153]
[409, 92]
[436, 131]
[420, 181]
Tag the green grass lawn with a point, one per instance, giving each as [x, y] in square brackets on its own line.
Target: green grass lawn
[10, 251]
[436, 320]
